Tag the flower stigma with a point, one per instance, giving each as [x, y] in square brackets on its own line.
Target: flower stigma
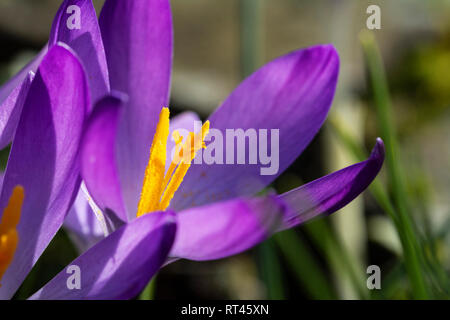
[9, 236]
[159, 186]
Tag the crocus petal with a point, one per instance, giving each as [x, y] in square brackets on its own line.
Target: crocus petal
[85, 39]
[12, 97]
[332, 192]
[44, 158]
[98, 155]
[226, 228]
[121, 265]
[84, 227]
[291, 94]
[138, 41]
[11, 109]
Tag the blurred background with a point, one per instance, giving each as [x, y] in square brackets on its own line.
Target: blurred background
[401, 224]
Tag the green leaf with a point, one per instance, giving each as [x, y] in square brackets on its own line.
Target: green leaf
[149, 292]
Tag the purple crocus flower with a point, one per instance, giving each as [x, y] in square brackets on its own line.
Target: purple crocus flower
[217, 212]
[41, 180]
[215, 206]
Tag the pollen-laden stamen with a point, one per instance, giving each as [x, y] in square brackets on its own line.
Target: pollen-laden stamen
[160, 187]
[194, 142]
[154, 173]
[9, 237]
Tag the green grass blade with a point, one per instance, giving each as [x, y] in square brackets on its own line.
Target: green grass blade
[251, 35]
[271, 271]
[412, 252]
[304, 266]
[337, 256]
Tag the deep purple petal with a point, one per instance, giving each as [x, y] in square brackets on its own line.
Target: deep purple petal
[292, 94]
[83, 226]
[138, 41]
[122, 264]
[98, 155]
[12, 97]
[332, 192]
[11, 109]
[226, 228]
[86, 42]
[44, 157]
